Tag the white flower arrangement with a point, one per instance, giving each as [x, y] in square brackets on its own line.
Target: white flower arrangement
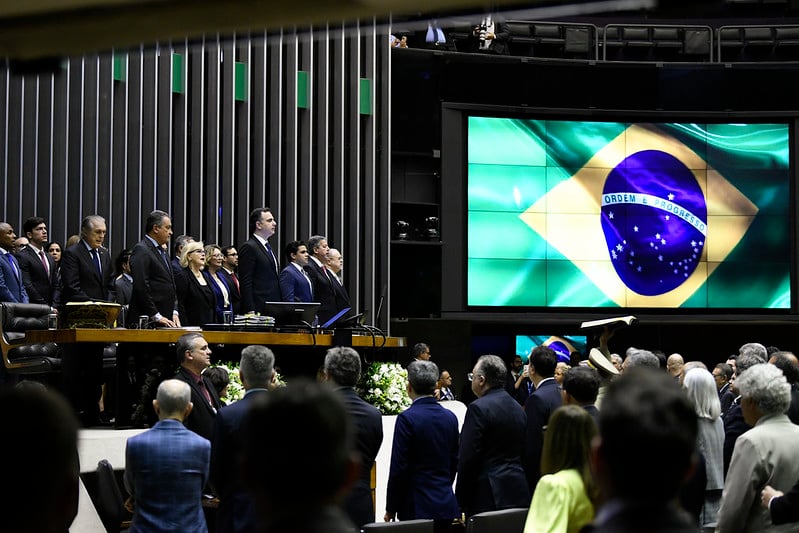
[235, 389]
[384, 386]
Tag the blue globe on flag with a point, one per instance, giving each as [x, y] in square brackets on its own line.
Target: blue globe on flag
[654, 218]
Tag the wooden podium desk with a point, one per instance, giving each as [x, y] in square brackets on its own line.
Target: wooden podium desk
[148, 352]
[169, 335]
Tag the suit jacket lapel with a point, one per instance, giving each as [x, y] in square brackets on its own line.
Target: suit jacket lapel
[86, 256]
[266, 253]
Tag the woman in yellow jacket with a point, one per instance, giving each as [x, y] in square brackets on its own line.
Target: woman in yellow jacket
[563, 501]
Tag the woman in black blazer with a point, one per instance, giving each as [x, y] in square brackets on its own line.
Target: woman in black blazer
[196, 300]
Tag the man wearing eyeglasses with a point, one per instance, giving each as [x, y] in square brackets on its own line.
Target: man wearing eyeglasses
[490, 471]
[229, 268]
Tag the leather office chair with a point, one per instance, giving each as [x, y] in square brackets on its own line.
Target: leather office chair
[403, 526]
[109, 502]
[20, 357]
[506, 520]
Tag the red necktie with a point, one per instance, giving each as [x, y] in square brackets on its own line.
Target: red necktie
[44, 262]
[206, 394]
[235, 279]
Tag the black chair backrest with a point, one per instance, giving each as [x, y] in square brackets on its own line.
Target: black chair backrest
[109, 503]
[403, 526]
[19, 318]
[506, 520]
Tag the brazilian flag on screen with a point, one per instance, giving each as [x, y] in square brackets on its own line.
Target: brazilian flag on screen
[641, 215]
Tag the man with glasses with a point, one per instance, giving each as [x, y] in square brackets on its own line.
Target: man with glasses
[722, 375]
[490, 472]
[229, 268]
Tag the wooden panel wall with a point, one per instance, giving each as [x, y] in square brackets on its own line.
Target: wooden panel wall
[120, 134]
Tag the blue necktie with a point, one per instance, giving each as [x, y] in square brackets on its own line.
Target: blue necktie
[272, 254]
[13, 262]
[164, 258]
[96, 258]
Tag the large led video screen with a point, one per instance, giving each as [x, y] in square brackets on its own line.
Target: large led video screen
[578, 214]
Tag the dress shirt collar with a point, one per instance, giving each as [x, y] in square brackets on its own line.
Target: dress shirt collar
[317, 261]
[298, 267]
[543, 381]
[127, 277]
[36, 250]
[255, 389]
[87, 245]
[4, 251]
[152, 241]
[260, 239]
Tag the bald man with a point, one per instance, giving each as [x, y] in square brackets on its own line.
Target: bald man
[674, 365]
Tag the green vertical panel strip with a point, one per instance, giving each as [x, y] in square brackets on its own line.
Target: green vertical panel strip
[240, 82]
[120, 67]
[302, 89]
[366, 96]
[178, 82]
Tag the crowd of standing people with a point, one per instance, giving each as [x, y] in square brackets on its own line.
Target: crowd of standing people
[651, 458]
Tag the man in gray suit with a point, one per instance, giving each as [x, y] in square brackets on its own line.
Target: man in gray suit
[764, 454]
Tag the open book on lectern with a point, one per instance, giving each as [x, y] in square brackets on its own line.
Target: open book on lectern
[612, 323]
[90, 314]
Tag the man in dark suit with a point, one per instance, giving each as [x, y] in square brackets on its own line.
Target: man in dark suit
[538, 407]
[342, 367]
[194, 356]
[258, 265]
[335, 265]
[783, 508]
[86, 267]
[734, 423]
[123, 286]
[722, 374]
[323, 290]
[490, 472]
[645, 415]
[298, 459]
[581, 387]
[39, 273]
[153, 283]
[180, 242]
[166, 467]
[229, 271]
[12, 288]
[86, 275]
[236, 510]
[295, 285]
[788, 363]
[424, 455]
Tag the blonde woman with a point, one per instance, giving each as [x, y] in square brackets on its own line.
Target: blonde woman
[196, 301]
[563, 501]
[214, 259]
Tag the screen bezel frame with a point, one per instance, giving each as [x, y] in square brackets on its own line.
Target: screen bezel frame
[454, 176]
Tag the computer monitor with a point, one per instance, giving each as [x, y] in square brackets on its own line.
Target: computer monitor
[292, 313]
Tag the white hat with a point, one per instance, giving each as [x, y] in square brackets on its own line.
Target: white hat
[598, 360]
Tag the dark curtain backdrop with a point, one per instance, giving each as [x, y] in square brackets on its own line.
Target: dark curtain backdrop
[208, 130]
